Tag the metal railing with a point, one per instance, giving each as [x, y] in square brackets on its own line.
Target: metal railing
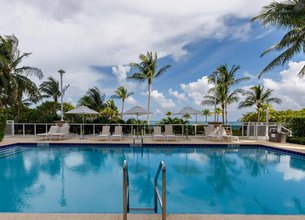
[246, 130]
[157, 197]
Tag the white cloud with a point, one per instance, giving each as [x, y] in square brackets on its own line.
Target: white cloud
[75, 35]
[176, 94]
[290, 88]
[121, 71]
[196, 90]
[161, 100]
[289, 173]
[131, 101]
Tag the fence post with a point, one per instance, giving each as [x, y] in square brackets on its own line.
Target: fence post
[93, 129]
[35, 129]
[23, 129]
[195, 129]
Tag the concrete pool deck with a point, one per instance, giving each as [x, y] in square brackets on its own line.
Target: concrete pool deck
[13, 216]
[192, 140]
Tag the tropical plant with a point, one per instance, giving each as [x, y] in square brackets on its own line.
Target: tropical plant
[147, 70]
[93, 99]
[14, 81]
[3, 118]
[290, 16]
[206, 112]
[218, 112]
[258, 96]
[168, 114]
[123, 94]
[225, 80]
[187, 117]
[50, 89]
[110, 111]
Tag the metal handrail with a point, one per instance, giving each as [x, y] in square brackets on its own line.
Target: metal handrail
[157, 197]
[125, 190]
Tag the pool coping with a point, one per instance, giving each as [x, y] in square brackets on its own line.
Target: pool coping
[77, 216]
[162, 145]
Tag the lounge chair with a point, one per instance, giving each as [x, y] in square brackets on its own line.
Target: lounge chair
[222, 132]
[212, 133]
[53, 130]
[63, 132]
[158, 134]
[117, 132]
[105, 132]
[169, 132]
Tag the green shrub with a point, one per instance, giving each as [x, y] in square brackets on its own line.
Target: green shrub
[296, 140]
[2, 125]
[297, 126]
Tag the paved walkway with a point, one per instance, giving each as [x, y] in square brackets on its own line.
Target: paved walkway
[143, 217]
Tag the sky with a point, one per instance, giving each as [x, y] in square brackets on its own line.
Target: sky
[95, 41]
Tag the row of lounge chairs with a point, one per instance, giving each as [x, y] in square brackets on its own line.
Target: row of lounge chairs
[56, 132]
[211, 133]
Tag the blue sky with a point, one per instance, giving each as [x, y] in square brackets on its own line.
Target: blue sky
[94, 42]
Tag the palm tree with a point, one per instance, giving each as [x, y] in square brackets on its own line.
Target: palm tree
[14, 81]
[168, 114]
[147, 70]
[50, 89]
[123, 94]
[217, 112]
[93, 99]
[206, 112]
[110, 111]
[225, 80]
[290, 16]
[258, 96]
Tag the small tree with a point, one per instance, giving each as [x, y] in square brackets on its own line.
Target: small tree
[206, 112]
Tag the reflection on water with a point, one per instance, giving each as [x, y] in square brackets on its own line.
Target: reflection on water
[214, 180]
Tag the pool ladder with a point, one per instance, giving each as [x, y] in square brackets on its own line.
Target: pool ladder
[157, 198]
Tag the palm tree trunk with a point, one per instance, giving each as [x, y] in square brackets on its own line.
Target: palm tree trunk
[258, 114]
[226, 114]
[223, 113]
[206, 119]
[148, 102]
[122, 108]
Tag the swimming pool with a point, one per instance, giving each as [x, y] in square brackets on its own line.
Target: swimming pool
[208, 179]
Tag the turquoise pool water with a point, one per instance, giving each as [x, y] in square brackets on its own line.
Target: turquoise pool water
[199, 180]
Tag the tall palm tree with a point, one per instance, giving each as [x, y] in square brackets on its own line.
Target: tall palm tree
[14, 81]
[225, 80]
[206, 112]
[93, 99]
[258, 96]
[123, 94]
[290, 16]
[147, 70]
[218, 112]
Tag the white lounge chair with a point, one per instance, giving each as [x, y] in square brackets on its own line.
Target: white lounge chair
[169, 134]
[63, 132]
[158, 134]
[222, 132]
[212, 133]
[53, 130]
[117, 132]
[105, 132]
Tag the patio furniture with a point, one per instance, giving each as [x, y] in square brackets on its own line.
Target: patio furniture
[158, 134]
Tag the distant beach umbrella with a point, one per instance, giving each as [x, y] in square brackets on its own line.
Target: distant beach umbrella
[189, 110]
[82, 110]
[137, 111]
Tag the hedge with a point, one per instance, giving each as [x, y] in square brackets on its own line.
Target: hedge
[3, 119]
[296, 140]
[297, 126]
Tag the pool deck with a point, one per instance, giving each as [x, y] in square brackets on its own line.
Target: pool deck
[192, 140]
[12, 216]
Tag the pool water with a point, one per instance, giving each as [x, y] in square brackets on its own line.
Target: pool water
[199, 180]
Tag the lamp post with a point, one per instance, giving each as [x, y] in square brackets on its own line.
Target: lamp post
[61, 72]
